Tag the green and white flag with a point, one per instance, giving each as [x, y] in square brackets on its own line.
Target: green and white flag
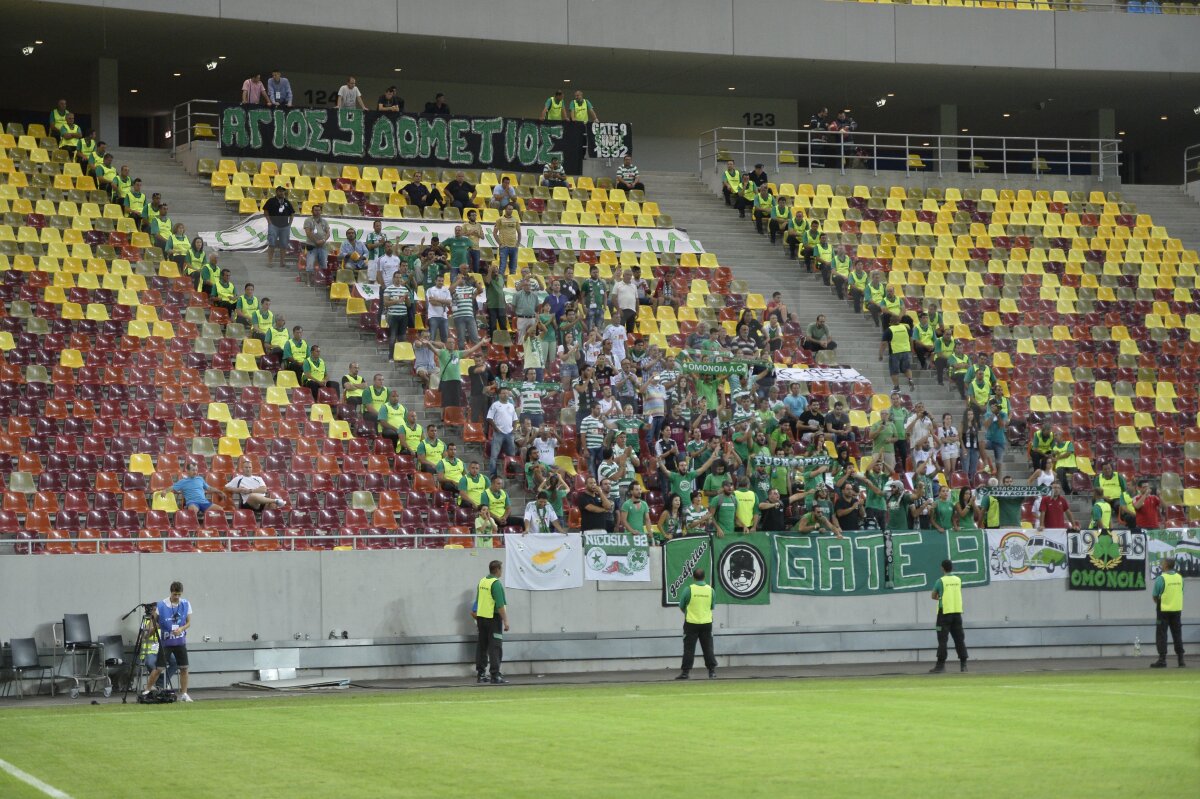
[741, 570]
[1012, 492]
[679, 558]
[714, 368]
[796, 462]
[619, 557]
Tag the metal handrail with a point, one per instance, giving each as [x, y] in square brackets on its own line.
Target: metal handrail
[1113, 6]
[188, 115]
[808, 149]
[1191, 164]
[285, 541]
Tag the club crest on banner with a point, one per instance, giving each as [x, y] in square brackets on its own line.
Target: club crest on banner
[742, 570]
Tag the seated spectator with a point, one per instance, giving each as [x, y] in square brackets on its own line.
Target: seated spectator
[627, 176]
[353, 385]
[314, 373]
[250, 489]
[389, 101]
[431, 450]
[420, 195]
[224, 293]
[353, 253]
[504, 194]
[192, 489]
[104, 172]
[817, 337]
[874, 296]
[461, 194]
[439, 106]
[731, 183]
[540, 516]
[553, 175]
[451, 469]
[495, 498]
[247, 304]
[69, 134]
[295, 351]
[276, 339]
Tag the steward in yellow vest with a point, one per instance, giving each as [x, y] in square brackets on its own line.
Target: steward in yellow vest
[858, 287]
[948, 593]
[780, 216]
[491, 622]
[696, 602]
[277, 337]
[136, 203]
[731, 183]
[1168, 598]
[353, 385]
[554, 107]
[87, 146]
[69, 134]
[924, 335]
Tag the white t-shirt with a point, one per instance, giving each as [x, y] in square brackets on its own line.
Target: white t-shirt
[503, 415]
[253, 482]
[542, 519]
[546, 449]
[384, 267]
[616, 334]
[626, 295]
[950, 449]
[348, 96]
[438, 311]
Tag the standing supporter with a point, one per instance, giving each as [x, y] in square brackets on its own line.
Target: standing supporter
[501, 417]
[1147, 505]
[376, 243]
[465, 291]
[450, 372]
[389, 101]
[507, 233]
[279, 89]
[438, 106]
[625, 300]
[254, 92]
[349, 95]
[552, 111]
[540, 517]
[279, 212]
[395, 308]
[316, 234]
[473, 231]
[995, 423]
[438, 304]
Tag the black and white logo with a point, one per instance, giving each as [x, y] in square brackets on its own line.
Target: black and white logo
[742, 571]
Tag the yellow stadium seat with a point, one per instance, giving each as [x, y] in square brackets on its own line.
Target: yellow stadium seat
[403, 351]
[286, 378]
[1127, 436]
[229, 446]
[277, 395]
[320, 412]
[72, 359]
[141, 463]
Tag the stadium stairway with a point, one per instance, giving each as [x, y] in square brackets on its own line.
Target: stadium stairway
[766, 269]
[201, 209]
[1170, 208]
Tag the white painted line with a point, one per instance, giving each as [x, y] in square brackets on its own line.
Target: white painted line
[33, 781]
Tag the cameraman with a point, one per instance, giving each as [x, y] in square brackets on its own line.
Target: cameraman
[174, 618]
[151, 646]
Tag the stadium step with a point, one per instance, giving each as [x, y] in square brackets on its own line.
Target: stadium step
[1169, 207]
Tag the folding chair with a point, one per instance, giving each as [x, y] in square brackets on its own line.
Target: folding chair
[73, 641]
[25, 659]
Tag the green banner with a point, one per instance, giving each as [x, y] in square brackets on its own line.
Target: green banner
[797, 462]
[857, 564]
[622, 557]
[517, 385]
[1102, 561]
[679, 557]
[1012, 492]
[741, 574]
[713, 368]
[1180, 543]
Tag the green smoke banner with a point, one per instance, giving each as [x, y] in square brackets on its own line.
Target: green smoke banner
[680, 556]
[855, 565]
[740, 570]
[353, 136]
[1180, 543]
[1103, 562]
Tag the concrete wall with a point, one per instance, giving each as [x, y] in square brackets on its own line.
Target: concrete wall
[813, 29]
[406, 613]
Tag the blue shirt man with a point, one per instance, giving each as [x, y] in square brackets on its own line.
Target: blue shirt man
[352, 246]
[193, 488]
[796, 404]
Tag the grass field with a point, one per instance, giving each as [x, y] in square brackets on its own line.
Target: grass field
[1016, 735]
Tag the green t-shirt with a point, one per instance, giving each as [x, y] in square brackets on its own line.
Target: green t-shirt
[713, 482]
[943, 514]
[458, 246]
[760, 483]
[726, 511]
[876, 501]
[556, 497]
[1010, 512]
[683, 485]
[594, 291]
[493, 291]
[897, 507]
[448, 363]
[635, 515]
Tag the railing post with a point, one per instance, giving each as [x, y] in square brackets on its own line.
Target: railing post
[744, 148]
[875, 154]
[971, 153]
[808, 147]
[1037, 172]
[1068, 159]
[941, 151]
[907, 169]
[1004, 156]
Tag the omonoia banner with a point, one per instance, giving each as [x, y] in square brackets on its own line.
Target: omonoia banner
[621, 557]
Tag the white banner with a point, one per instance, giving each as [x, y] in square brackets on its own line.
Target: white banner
[543, 561]
[819, 374]
[250, 235]
[1026, 554]
[621, 557]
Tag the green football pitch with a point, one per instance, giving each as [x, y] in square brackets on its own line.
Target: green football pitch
[1128, 733]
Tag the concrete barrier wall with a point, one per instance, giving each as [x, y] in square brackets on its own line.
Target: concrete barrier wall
[406, 613]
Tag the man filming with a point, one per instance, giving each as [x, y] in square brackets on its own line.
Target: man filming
[174, 618]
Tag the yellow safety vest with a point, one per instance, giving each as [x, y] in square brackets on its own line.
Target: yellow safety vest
[780, 211]
[554, 110]
[58, 118]
[412, 436]
[900, 341]
[485, 606]
[1105, 513]
[1043, 444]
[123, 185]
[700, 604]
[165, 226]
[453, 470]
[1171, 599]
[434, 450]
[875, 293]
[980, 393]
[859, 280]
[107, 173]
[248, 305]
[316, 369]
[1111, 486]
[747, 502]
[179, 245]
[925, 335]
[948, 349]
[579, 110]
[993, 513]
[893, 305]
[66, 132]
[763, 203]
[841, 265]
[195, 260]
[376, 400]
[277, 337]
[496, 501]
[951, 594]
[1064, 456]
[225, 291]
[824, 253]
[137, 203]
[87, 147]
[474, 489]
[263, 322]
[395, 415]
[733, 180]
[354, 385]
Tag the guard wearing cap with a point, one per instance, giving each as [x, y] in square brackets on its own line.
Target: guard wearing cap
[491, 619]
[948, 593]
[1168, 600]
[696, 602]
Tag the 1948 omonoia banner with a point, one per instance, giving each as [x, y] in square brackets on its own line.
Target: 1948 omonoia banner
[543, 561]
[1109, 562]
[856, 565]
[353, 136]
[1019, 554]
[680, 556]
[250, 235]
[622, 557]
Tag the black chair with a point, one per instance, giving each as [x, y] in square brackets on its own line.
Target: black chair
[77, 643]
[25, 659]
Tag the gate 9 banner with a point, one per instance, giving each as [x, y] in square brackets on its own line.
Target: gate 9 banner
[353, 136]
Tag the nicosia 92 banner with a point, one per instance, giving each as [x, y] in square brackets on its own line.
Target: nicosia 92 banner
[353, 136]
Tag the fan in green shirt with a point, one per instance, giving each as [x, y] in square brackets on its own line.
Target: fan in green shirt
[684, 482]
[724, 509]
[632, 516]
[458, 245]
[716, 480]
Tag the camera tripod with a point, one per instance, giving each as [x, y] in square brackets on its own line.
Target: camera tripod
[147, 636]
